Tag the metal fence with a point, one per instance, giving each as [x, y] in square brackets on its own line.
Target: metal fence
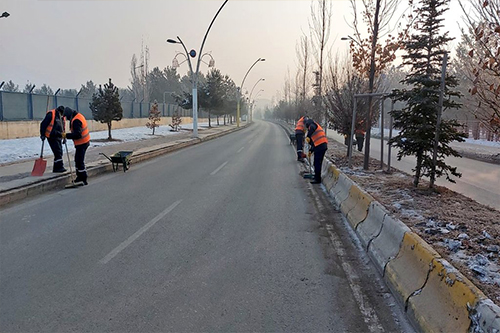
[16, 106]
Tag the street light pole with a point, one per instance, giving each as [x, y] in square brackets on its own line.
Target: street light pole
[241, 91]
[250, 98]
[194, 75]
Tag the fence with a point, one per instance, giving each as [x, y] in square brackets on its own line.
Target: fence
[16, 106]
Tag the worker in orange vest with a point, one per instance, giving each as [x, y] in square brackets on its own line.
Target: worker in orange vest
[300, 131]
[316, 137]
[51, 128]
[81, 139]
[359, 133]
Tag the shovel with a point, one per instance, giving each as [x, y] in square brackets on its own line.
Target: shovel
[40, 165]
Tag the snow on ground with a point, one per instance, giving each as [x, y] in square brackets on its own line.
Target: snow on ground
[376, 133]
[15, 150]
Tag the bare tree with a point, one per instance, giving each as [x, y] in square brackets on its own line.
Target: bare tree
[321, 13]
[303, 69]
[482, 37]
[369, 56]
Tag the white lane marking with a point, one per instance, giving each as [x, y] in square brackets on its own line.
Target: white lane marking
[218, 169]
[240, 150]
[137, 234]
[369, 315]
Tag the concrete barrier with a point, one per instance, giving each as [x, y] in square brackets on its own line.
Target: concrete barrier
[351, 200]
[407, 273]
[436, 297]
[444, 301]
[360, 211]
[342, 188]
[330, 175]
[485, 317]
[386, 245]
[372, 225]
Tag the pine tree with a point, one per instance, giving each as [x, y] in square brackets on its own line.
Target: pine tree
[106, 106]
[154, 117]
[417, 120]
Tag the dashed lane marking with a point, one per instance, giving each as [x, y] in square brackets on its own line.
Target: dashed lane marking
[138, 233]
[218, 169]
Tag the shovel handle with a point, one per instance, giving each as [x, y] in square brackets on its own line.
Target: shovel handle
[41, 152]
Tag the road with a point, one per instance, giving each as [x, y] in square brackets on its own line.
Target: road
[480, 181]
[221, 236]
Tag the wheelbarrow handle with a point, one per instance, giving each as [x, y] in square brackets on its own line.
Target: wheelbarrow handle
[109, 158]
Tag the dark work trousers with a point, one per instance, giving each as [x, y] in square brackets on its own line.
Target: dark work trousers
[319, 154]
[360, 139]
[56, 146]
[299, 136]
[81, 172]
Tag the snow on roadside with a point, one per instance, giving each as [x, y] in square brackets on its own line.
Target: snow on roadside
[15, 150]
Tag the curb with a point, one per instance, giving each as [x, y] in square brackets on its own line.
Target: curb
[435, 295]
[97, 168]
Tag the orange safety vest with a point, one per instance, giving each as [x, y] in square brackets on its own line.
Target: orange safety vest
[300, 125]
[51, 125]
[319, 136]
[85, 131]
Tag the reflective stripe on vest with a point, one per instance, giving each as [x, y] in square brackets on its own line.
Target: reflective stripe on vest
[51, 125]
[300, 125]
[85, 131]
[319, 136]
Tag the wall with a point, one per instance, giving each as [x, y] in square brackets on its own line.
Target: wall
[24, 129]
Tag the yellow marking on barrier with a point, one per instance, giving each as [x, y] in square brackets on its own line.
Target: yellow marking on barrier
[441, 306]
[360, 211]
[408, 272]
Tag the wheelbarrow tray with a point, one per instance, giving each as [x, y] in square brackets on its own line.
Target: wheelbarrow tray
[122, 157]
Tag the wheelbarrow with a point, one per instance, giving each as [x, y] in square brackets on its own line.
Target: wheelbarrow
[121, 157]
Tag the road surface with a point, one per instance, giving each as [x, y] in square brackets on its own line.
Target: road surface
[221, 236]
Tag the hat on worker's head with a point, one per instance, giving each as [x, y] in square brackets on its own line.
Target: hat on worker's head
[60, 109]
[68, 113]
[309, 122]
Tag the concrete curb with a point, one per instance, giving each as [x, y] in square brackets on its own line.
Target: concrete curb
[435, 295]
[100, 167]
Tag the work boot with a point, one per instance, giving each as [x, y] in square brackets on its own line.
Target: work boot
[59, 170]
[316, 182]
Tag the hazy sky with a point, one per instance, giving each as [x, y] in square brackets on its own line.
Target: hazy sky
[65, 43]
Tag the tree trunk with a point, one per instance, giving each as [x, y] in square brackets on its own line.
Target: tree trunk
[418, 170]
[209, 120]
[109, 131]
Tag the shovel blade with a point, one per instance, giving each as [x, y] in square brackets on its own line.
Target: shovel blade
[39, 167]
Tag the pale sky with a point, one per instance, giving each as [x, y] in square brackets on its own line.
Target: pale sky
[66, 43]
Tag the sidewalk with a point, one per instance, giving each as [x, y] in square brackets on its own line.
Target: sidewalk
[16, 181]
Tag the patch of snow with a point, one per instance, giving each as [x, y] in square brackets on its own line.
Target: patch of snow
[14, 150]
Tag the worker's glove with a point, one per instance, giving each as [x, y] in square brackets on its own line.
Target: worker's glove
[63, 135]
[42, 137]
[308, 139]
[309, 154]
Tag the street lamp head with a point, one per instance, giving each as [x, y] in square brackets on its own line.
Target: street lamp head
[5, 14]
[345, 38]
[173, 41]
[262, 59]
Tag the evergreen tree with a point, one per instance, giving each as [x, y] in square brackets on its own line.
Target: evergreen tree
[154, 117]
[106, 105]
[417, 121]
[11, 86]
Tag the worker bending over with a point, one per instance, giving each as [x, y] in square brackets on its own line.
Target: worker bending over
[81, 138]
[316, 137]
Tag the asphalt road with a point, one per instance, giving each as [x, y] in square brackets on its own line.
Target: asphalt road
[222, 236]
[480, 181]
